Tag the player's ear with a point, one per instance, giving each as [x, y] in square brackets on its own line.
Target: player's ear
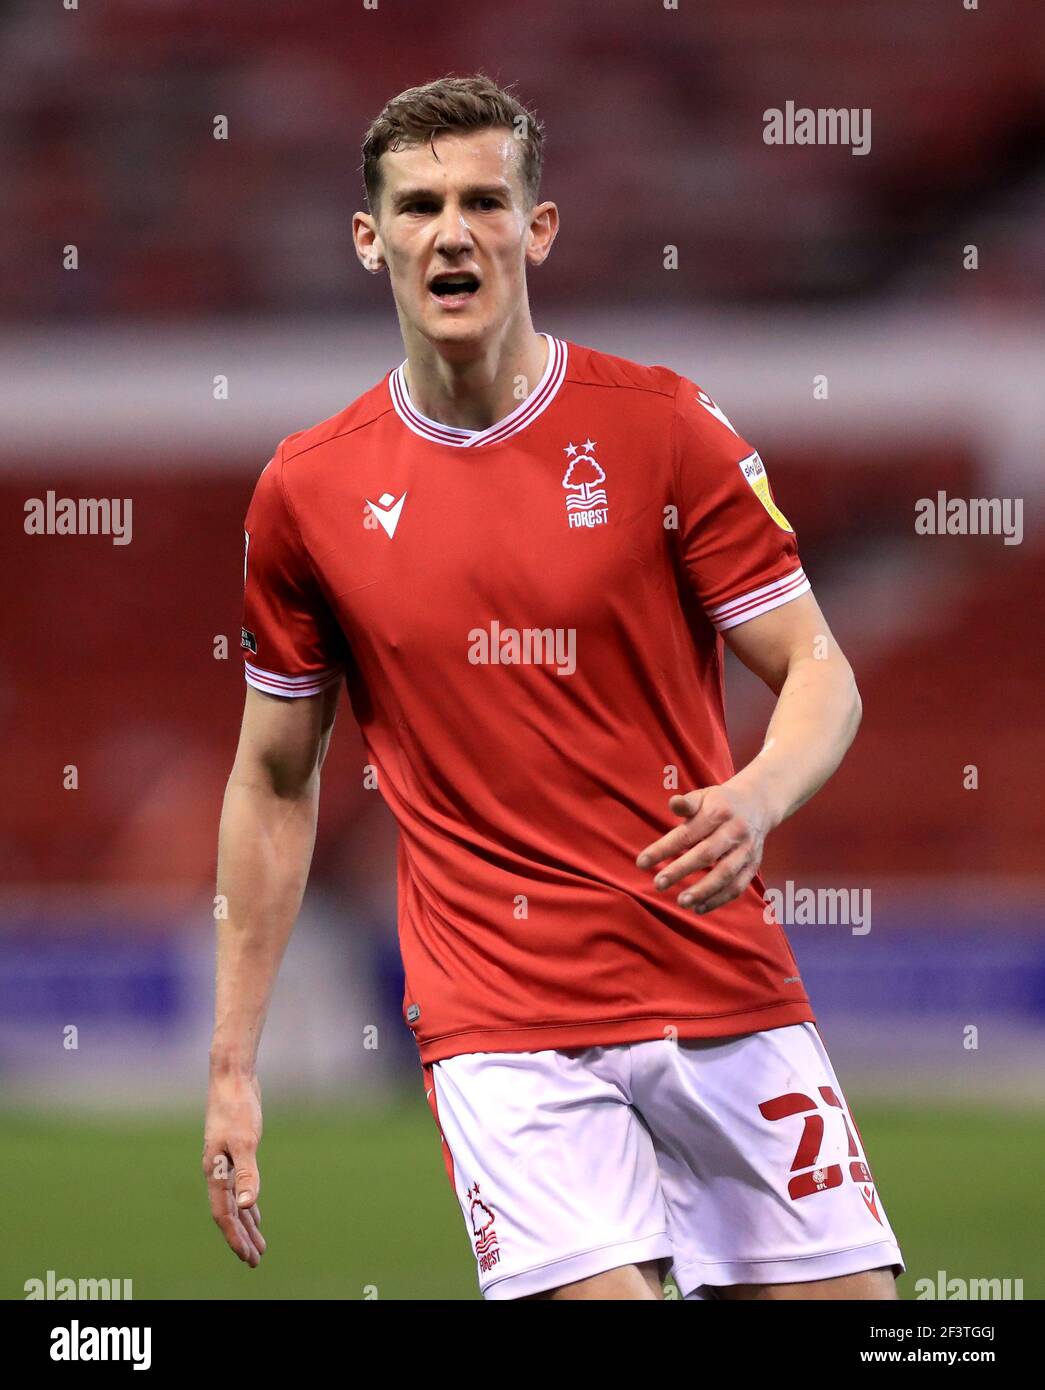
[544, 226]
[367, 241]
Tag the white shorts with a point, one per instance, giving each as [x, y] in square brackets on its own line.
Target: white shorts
[730, 1160]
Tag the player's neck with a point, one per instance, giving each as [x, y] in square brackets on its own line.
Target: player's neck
[475, 394]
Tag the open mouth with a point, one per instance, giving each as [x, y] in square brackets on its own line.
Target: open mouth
[454, 288]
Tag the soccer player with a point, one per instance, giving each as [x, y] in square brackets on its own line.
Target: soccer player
[523, 556]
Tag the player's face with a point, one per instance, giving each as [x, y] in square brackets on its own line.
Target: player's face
[456, 234]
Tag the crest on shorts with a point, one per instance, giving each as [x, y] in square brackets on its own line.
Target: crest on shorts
[482, 1221]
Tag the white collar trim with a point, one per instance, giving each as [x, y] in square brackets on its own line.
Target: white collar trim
[524, 413]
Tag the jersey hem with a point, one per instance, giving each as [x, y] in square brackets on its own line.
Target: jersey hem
[622, 1030]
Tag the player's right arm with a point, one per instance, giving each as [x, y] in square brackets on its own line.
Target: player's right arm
[268, 827]
[294, 665]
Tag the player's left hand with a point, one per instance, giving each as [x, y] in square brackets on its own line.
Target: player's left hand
[723, 831]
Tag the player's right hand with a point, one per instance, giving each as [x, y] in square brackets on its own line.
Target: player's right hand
[232, 1132]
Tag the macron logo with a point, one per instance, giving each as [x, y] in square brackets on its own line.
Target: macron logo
[387, 511]
[712, 409]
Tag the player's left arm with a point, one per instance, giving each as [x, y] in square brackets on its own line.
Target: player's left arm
[817, 713]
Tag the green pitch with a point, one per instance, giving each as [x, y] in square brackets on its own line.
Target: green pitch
[356, 1204]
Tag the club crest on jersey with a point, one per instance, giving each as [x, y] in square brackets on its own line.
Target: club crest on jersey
[482, 1219]
[586, 503]
[754, 471]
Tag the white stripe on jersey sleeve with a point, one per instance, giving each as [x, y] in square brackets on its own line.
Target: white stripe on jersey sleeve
[272, 683]
[751, 605]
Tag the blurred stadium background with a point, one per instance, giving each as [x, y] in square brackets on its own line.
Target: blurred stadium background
[200, 257]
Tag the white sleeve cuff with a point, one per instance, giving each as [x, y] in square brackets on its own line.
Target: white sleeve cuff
[752, 605]
[272, 683]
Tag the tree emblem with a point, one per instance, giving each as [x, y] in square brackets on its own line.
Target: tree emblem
[480, 1211]
[585, 473]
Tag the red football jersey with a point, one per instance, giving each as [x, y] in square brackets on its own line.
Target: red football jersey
[528, 619]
